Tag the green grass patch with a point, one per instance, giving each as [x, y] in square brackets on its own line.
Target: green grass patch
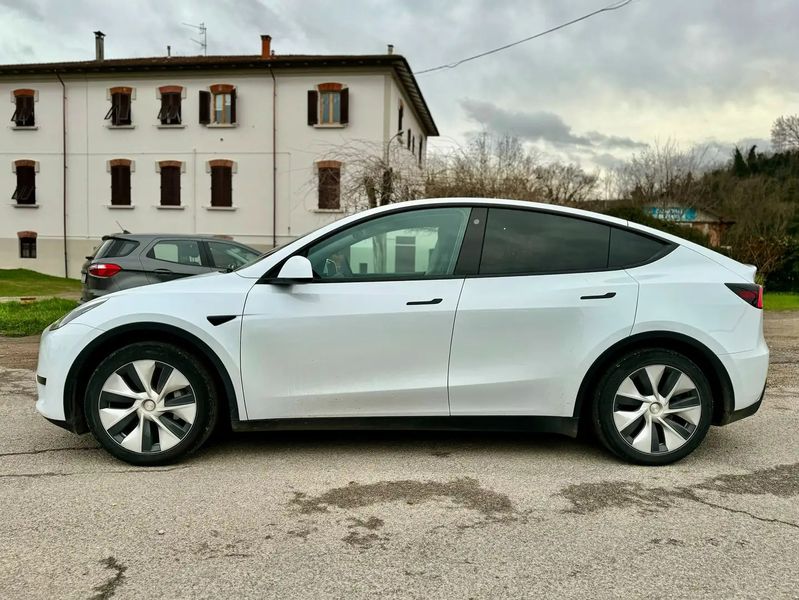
[781, 301]
[22, 282]
[18, 319]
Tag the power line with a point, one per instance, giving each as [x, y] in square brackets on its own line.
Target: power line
[609, 8]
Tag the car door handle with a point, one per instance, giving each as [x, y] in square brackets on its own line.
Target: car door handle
[163, 271]
[599, 296]
[419, 302]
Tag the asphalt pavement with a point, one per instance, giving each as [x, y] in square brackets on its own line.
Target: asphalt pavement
[402, 515]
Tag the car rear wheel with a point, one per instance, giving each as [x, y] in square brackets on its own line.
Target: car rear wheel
[149, 403]
[653, 407]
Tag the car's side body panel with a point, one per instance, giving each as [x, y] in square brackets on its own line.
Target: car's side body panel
[348, 349]
[521, 344]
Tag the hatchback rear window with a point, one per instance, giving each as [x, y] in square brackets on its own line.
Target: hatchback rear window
[116, 247]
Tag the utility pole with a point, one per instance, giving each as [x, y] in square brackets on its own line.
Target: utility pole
[203, 41]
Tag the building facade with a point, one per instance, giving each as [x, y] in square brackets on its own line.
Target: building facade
[244, 146]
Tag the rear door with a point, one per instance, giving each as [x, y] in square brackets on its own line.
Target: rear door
[168, 259]
[540, 310]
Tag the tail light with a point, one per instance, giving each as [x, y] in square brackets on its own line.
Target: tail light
[748, 292]
[104, 270]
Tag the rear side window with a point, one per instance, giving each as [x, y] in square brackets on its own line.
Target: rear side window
[184, 252]
[228, 256]
[116, 247]
[529, 242]
[628, 249]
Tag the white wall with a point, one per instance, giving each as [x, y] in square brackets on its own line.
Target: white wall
[91, 144]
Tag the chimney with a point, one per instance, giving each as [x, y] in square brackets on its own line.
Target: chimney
[266, 43]
[99, 46]
[390, 49]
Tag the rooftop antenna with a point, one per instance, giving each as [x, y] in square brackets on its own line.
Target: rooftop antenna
[203, 41]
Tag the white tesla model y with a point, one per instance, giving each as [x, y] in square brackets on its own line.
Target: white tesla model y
[438, 314]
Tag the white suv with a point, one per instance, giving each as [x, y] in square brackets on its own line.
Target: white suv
[442, 314]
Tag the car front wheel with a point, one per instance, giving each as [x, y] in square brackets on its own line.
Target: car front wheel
[149, 403]
[653, 407]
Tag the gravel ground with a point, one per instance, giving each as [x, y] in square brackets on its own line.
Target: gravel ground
[401, 515]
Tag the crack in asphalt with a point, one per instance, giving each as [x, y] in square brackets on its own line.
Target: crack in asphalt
[780, 481]
[109, 588]
[45, 450]
[56, 474]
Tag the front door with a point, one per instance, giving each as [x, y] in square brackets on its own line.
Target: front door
[370, 336]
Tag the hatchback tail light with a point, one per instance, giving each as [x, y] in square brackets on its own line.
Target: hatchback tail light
[748, 292]
[104, 270]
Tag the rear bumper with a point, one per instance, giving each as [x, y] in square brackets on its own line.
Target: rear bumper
[748, 372]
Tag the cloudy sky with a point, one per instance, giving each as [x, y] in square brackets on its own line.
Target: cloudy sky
[714, 72]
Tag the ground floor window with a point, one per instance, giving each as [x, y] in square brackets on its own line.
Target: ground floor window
[27, 247]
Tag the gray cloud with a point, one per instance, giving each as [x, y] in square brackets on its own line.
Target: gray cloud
[539, 126]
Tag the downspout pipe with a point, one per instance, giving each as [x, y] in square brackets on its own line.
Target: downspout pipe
[274, 157]
[64, 162]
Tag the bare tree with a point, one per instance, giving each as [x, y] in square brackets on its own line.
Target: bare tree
[566, 183]
[375, 174]
[664, 174]
[488, 167]
[785, 133]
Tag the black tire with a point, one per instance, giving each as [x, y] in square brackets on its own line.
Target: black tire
[202, 386]
[605, 400]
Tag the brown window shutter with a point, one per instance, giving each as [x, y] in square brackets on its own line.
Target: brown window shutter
[345, 106]
[205, 107]
[313, 107]
[120, 185]
[170, 186]
[221, 186]
[329, 188]
[26, 186]
[399, 117]
[233, 106]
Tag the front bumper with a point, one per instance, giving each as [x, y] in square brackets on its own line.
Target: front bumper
[57, 352]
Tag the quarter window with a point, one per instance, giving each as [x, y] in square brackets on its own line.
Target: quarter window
[184, 252]
[530, 242]
[415, 244]
[628, 249]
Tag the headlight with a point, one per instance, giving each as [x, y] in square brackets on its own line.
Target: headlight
[74, 314]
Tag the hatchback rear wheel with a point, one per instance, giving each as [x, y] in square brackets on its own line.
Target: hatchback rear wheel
[149, 403]
[653, 407]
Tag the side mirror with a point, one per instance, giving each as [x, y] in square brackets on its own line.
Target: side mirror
[297, 269]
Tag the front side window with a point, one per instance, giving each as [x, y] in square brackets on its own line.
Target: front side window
[170, 108]
[530, 242]
[24, 113]
[414, 244]
[230, 256]
[25, 192]
[120, 114]
[184, 252]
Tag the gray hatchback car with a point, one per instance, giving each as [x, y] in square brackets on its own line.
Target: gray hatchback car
[127, 260]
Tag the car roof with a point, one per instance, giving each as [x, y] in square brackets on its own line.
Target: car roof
[181, 236]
